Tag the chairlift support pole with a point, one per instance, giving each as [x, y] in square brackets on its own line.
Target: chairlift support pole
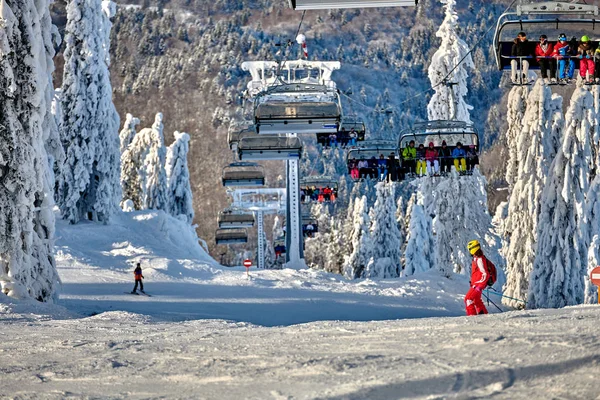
[261, 240]
[293, 237]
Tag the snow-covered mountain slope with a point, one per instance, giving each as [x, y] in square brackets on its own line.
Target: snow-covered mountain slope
[95, 263]
[198, 336]
[517, 355]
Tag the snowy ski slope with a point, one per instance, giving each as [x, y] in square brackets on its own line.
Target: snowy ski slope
[210, 332]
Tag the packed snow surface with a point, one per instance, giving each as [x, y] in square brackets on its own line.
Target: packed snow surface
[212, 332]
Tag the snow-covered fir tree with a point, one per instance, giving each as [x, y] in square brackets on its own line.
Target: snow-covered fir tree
[593, 256]
[178, 178]
[128, 132]
[448, 102]
[419, 252]
[27, 266]
[557, 279]
[385, 236]
[356, 262]
[89, 186]
[517, 104]
[461, 215]
[535, 147]
[154, 166]
[143, 168]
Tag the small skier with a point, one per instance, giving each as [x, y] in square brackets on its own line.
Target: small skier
[137, 273]
[479, 280]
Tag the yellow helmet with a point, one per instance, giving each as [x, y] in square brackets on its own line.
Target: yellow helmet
[473, 246]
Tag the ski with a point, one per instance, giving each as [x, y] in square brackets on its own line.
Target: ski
[139, 294]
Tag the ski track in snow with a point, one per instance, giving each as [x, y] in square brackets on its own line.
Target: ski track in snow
[212, 333]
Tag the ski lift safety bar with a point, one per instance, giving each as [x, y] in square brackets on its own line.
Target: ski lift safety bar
[333, 4]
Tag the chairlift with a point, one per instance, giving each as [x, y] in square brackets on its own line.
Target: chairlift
[343, 134]
[543, 18]
[269, 147]
[438, 132]
[239, 131]
[310, 225]
[232, 219]
[332, 4]
[297, 108]
[243, 174]
[370, 151]
[319, 188]
[231, 236]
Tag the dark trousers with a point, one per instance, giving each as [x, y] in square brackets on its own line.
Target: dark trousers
[409, 166]
[445, 164]
[547, 64]
[136, 285]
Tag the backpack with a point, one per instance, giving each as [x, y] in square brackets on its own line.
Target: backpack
[492, 272]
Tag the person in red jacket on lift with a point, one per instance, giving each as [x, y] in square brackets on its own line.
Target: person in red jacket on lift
[479, 280]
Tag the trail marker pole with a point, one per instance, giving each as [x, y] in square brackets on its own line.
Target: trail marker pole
[247, 264]
[595, 278]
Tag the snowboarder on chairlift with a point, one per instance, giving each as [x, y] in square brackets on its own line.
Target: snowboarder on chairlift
[353, 136]
[137, 274]
[479, 280]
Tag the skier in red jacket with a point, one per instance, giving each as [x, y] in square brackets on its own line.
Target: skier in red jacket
[543, 51]
[137, 274]
[479, 280]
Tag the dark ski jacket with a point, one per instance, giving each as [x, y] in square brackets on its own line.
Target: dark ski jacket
[521, 49]
[445, 153]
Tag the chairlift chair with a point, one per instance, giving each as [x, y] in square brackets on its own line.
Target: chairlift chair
[231, 236]
[319, 184]
[548, 18]
[238, 131]
[345, 126]
[370, 150]
[298, 108]
[231, 219]
[243, 174]
[332, 4]
[437, 132]
[310, 225]
[269, 147]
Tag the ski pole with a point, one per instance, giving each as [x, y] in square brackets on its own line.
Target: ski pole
[488, 299]
[494, 291]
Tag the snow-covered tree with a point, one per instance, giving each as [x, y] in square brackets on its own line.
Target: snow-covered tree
[535, 148]
[419, 254]
[560, 264]
[27, 266]
[448, 102]
[385, 236]
[178, 177]
[356, 263]
[89, 186]
[154, 165]
[517, 104]
[143, 173]
[461, 215]
[128, 132]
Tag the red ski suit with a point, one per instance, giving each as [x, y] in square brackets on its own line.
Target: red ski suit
[479, 279]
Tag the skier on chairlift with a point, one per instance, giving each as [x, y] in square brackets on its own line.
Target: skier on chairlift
[561, 52]
[521, 50]
[587, 67]
[543, 52]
